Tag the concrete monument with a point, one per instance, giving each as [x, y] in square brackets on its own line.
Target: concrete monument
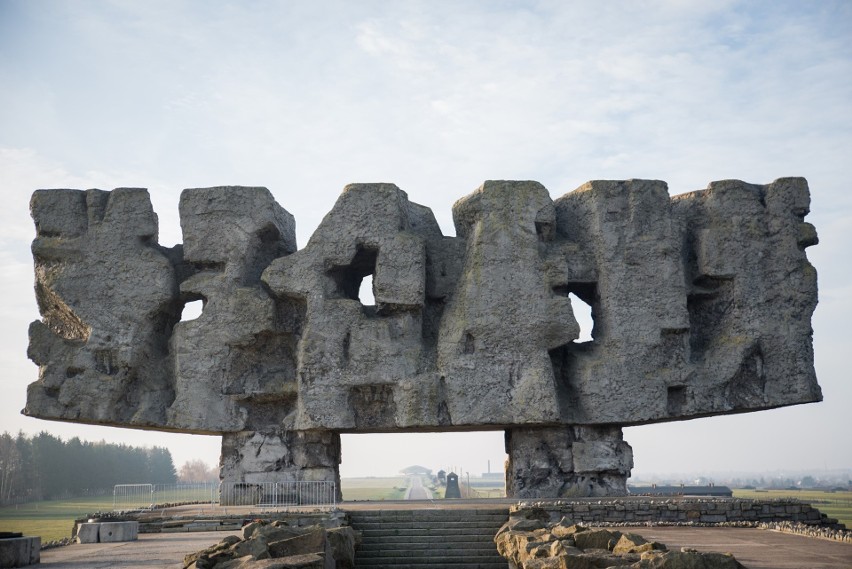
[701, 304]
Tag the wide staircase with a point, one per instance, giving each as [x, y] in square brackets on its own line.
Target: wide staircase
[429, 539]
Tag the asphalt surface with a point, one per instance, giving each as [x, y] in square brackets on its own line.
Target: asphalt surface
[754, 548]
[416, 490]
[153, 550]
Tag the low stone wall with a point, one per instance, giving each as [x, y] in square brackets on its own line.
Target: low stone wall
[166, 522]
[677, 510]
[20, 551]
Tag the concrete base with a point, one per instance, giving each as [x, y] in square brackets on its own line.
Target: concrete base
[88, 533]
[567, 462]
[251, 459]
[107, 532]
[20, 551]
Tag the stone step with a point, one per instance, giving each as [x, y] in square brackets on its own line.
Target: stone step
[418, 556]
[426, 525]
[434, 534]
[429, 538]
[428, 549]
[496, 522]
[427, 514]
[477, 521]
[452, 562]
[383, 538]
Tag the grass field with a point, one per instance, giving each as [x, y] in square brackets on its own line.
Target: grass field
[484, 490]
[833, 504]
[373, 488]
[52, 519]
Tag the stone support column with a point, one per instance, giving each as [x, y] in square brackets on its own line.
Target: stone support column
[561, 462]
[257, 458]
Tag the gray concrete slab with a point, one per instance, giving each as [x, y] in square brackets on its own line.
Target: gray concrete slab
[755, 548]
[152, 550]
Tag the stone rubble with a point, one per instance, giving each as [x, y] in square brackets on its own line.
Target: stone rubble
[821, 532]
[531, 542]
[277, 545]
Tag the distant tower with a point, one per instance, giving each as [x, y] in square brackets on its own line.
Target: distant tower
[453, 490]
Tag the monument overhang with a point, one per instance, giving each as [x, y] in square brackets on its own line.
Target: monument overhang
[701, 302]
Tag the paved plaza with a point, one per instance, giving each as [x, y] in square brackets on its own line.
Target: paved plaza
[756, 549]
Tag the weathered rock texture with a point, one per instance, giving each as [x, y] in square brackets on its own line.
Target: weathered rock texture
[567, 461]
[675, 511]
[531, 543]
[701, 303]
[280, 546]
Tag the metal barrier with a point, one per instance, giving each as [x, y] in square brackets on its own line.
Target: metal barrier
[320, 495]
[132, 496]
[185, 493]
[280, 495]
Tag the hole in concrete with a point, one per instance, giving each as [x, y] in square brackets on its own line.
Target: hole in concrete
[374, 466]
[469, 344]
[583, 315]
[191, 310]
[675, 399]
[365, 292]
[355, 280]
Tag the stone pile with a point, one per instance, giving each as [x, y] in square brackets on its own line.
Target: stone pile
[279, 546]
[57, 543]
[533, 543]
[832, 533]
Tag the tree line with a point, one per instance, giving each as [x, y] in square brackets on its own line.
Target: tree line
[43, 467]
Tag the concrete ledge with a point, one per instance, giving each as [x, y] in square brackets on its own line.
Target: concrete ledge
[107, 532]
[20, 551]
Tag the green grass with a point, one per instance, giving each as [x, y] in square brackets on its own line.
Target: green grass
[833, 504]
[373, 488]
[491, 491]
[51, 519]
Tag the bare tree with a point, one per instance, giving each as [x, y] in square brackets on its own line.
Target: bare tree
[10, 463]
[197, 471]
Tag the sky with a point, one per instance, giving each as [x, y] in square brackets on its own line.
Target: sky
[304, 97]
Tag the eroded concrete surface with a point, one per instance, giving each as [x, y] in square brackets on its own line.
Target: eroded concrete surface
[702, 305]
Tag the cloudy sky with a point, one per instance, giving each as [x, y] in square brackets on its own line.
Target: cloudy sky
[305, 97]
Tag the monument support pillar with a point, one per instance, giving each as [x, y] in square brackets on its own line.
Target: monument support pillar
[255, 457]
[561, 462]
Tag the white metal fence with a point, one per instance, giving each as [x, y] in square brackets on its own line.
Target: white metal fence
[150, 496]
[278, 495]
[297, 494]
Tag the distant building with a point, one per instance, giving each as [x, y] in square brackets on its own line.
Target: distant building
[416, 469]
[662, 490]
[453, 490]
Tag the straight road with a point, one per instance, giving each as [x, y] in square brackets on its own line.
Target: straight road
[416, 490]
